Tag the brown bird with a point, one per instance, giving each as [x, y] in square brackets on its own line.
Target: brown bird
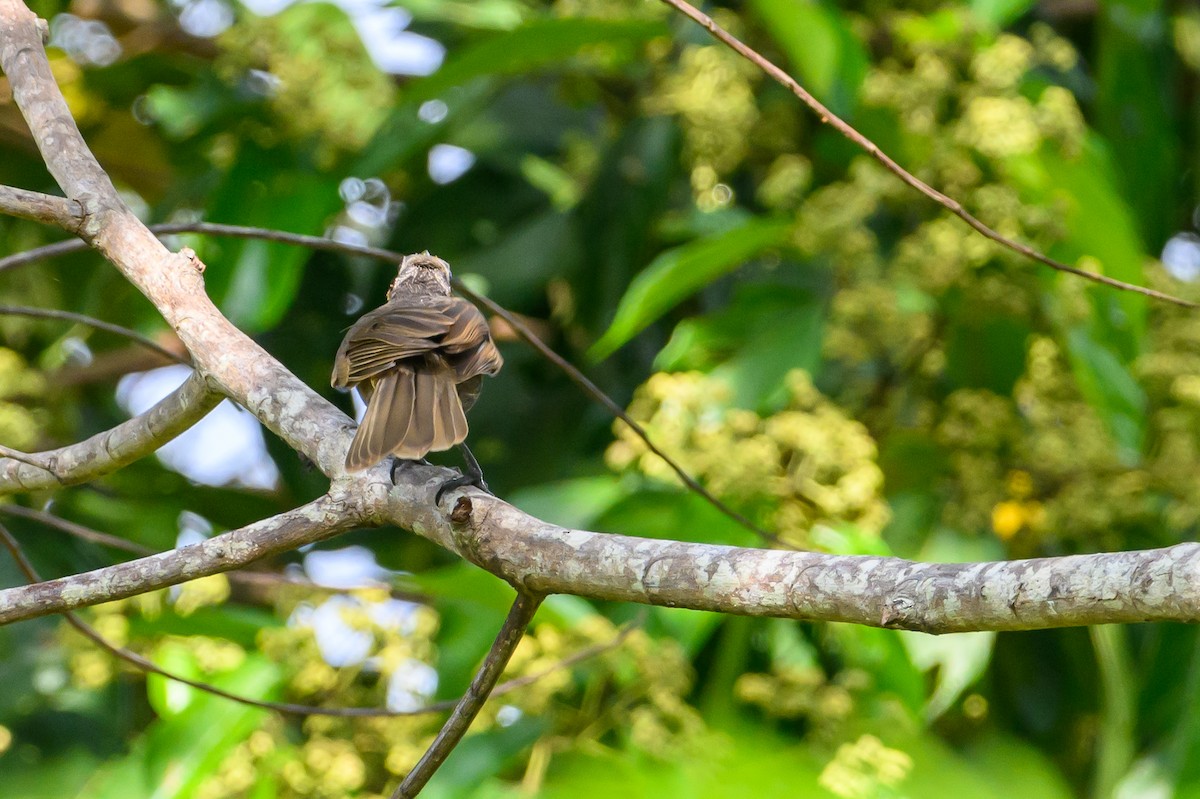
[418, 362]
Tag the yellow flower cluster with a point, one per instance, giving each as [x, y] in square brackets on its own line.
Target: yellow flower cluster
[323, 86]
[816, 465]
[19, 426]
[865, 769]
[712, 90]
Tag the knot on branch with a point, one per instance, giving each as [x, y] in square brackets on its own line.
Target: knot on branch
[191, 260]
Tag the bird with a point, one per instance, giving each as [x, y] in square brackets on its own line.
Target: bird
[418, 363]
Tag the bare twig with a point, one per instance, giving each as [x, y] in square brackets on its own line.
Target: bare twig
[99, 324]
[108, 451]
[38, 253]
[519, 617]
[40, 207]
[76, 530]
[872, 149]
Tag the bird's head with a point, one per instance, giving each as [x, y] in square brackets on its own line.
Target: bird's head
[421, 273]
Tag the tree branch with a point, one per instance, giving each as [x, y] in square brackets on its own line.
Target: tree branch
[40, 207]
[141, 663]
[1148, 585]
[172, 282]
[98, 324]
[325, 517]
[518, 619]
[534, 556]
[108, 451]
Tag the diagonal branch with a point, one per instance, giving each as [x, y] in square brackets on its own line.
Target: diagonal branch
[225, 356]
[325, 517]
[872, 149]
[518, 619]
[108, 451]
[37, 253]
[40, 207]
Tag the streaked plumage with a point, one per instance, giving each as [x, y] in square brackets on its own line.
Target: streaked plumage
[418, 362]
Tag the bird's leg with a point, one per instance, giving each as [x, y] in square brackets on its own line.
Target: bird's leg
[472, 477]
[398, 463]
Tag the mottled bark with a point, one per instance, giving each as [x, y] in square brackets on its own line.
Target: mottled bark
[533, 555]
[322, 518]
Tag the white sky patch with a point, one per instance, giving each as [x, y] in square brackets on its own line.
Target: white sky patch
[1181, 256]
[508, 715]
[206, 18]
[350, 567]
[383, 31]
[411, 685]
[448, 163]
[433, 111]
[339, 643]
[226, 447]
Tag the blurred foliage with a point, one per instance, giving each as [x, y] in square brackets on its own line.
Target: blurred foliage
[834, 356]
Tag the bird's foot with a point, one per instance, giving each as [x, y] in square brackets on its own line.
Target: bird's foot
[399, 463]
[468, 479]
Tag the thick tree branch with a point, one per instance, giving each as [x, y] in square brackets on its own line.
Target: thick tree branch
[108, 451]
[40, 207]
[326, 517]
[535, 556]
[141, 663]
[173, 282]
[1148, 585]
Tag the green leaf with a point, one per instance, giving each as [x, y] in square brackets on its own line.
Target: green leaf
[542, 43]
[958, 660]
[1136, 109]
[571, 503]
[680, 272]
[171, 697]
[254, 282]
[484, 14]
[1111, 390]
[999, 14]
[176, 754]
[766, 331]
[830, 60]
[1099, 224]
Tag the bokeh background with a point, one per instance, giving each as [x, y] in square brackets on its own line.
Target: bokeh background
[825, 350]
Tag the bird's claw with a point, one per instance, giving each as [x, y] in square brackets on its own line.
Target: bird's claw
[460, 481]
[399, 463]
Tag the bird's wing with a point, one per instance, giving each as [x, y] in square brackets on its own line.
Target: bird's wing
[468, 344]
[384, 336]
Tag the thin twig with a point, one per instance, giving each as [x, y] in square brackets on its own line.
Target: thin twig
[519, 617]
[77, 530]
[99, 324]
[38, 253]
[572, 372]
[872, 149]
